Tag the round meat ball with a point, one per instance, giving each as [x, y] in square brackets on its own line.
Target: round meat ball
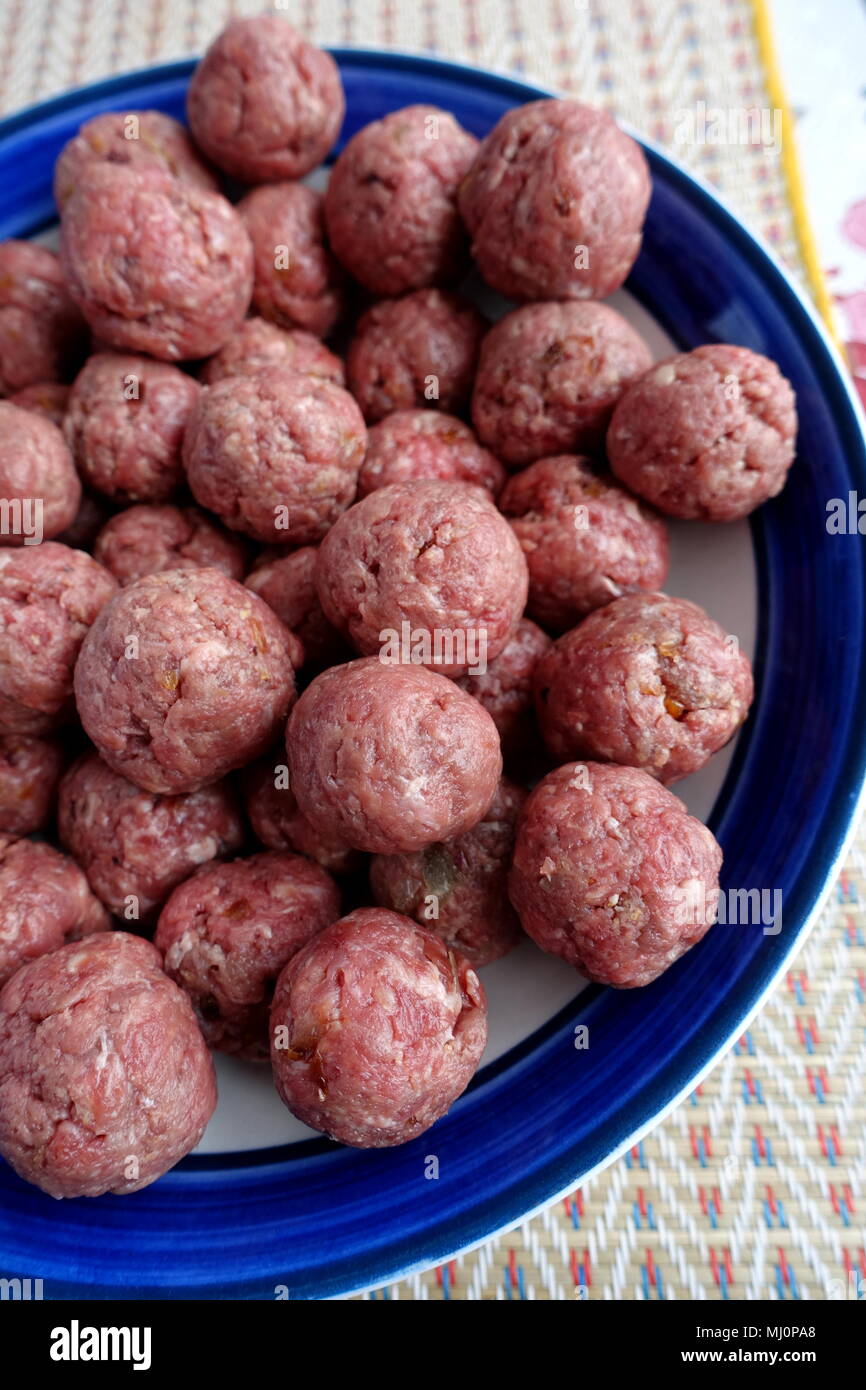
[549, 376]
[648, 681]
[420, 350]
[42, 334]
[505, 689]
[155, 265]
[707, 435]
[258, 345]
[30, 770]
[376, 1029]
[49, 597]
[586, 541]
[612, 874]
[105, 1079]
[143, 139]
[39, 486]
[45, 901]
[185, 676]
[391, 201]
[275, 455]
[48, 398]
[458, 890]
[390, 758]
[298, 284]
[273, 813]
[428, 572]
[149, 540]
[263, 103]
[412, 444]
[136, 847]
[227, 932]
[125, 424]
[287, 583]
[555, 202]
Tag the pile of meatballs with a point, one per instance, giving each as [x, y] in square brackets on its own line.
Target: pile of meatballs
[276, 611]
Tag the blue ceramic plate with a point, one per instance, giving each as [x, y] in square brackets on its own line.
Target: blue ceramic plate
[313, 1220]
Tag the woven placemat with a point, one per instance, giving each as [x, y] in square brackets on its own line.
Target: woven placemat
[752, 1188]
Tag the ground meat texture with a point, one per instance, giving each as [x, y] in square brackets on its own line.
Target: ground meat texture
[227, 932]
[42, 334]
[298, 283]
[49, 596]
[585, 539]
[30, 769]
[185, 676]
[48, 398]
[264, 104]
[259, 345]
[39, 486]
[276, 821]
[276, 455]
[390, 758]
[458, 890]
[549, 377]
[391, 202]
[136, 847]
[648, 681]
[143, 139]
[611, 873]
[555, 202]
[125, 424]
[105, 1079]
[505, 688]
[376, 1029]
[155, 265]
[412, 444]
[707, 435]
[148, 540]
[425, 571]
[45, 901]
[287, 583]
[420, 350]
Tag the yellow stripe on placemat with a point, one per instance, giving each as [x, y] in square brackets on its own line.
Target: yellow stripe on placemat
[763, 25]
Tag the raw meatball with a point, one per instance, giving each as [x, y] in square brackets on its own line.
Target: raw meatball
[125, 424]
[148, 540]
[611, 873]
[287, 583]
[48, 398]
[706, 435]
[276, 455]
[389, 758]
[586, 541]
[258, 345]
[136, 847]
[412, 444]
[155, 265]
[45, 901]
[49, 596]
[505, 688]
[549, 377]
[144, 139]
[274, 816]
[105, 1079]
[264, 104]
[298, 283]
[42, 334]
[30, 769]
[184, 676]
[227, 932]
[420, 350]
[648, 681]
[429, 570]
[458, 890]
[391, 202]
[39, 486]
[376, 1029]
[555, 202]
